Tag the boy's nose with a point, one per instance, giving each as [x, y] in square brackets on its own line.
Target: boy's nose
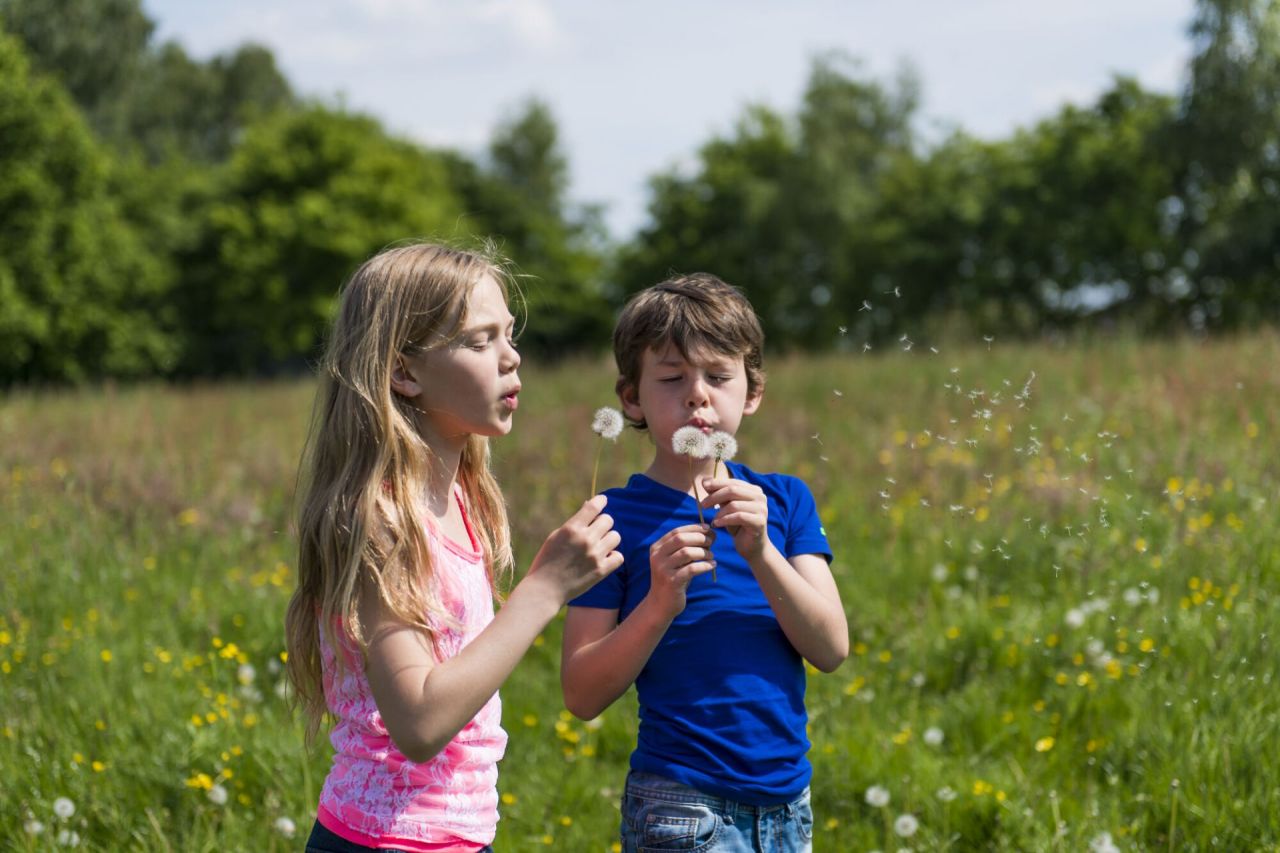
[697, 394]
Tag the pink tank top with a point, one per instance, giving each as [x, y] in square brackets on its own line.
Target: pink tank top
[375, 796]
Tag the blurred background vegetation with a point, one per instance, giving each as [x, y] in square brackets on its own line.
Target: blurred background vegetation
[166, 217]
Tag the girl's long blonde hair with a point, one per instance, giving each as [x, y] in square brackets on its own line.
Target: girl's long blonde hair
[365, 468]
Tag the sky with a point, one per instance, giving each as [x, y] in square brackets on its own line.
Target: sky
[636, 88]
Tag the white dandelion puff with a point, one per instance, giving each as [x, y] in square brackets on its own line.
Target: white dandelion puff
[64, 808]
[933, 736]
[607, 422]
[946, 793]
[906, 825]
[1103, 844]
[877, 796]
[723, 446]
[691, 441]
[285, 827]
[31, 826]
[218, 795]
[246, 674]
[68, 838]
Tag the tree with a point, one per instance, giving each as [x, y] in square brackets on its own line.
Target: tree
[307, 197]
[81, 295]
[518, 197]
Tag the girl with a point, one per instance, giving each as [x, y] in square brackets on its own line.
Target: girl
[402, 533]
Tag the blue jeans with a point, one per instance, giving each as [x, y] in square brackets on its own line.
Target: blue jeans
[660, 814]
[324, 840]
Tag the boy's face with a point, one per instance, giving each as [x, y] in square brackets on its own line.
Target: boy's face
[707, 390]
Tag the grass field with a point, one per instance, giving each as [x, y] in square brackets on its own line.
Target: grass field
[1060, 567]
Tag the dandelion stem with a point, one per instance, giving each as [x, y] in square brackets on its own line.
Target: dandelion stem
[595, 469]
[1173, 814]
[697, 501]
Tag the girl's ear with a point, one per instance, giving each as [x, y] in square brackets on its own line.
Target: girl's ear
[403, 381]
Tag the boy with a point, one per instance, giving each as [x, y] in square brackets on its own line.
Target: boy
[718, 666]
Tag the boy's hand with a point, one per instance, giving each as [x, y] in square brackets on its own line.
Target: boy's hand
[677, 558]
[743, 511]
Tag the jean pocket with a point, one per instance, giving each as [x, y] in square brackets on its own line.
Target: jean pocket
[664, 826]
[802, 812]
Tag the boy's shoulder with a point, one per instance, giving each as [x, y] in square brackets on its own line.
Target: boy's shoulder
[787, 484]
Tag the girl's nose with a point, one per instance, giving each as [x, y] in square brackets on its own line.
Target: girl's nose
[512, 358]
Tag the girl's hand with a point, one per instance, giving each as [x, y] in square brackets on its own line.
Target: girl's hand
[579, 553]
[677, 558]
[743, 511]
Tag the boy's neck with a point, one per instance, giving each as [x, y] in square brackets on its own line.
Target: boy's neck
[676, 472]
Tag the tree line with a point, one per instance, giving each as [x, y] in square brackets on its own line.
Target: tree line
[166, 216]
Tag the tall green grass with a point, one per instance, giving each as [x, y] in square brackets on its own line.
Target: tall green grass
[1061, 593]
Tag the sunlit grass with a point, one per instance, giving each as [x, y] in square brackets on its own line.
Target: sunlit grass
[1058, 565]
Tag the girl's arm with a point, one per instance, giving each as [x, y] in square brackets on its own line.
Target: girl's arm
[800, 589]
[425, 703]
[601, 657]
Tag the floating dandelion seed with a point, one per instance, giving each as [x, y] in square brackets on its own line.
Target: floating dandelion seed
[866, 306]
[877, 796]
[606, 423]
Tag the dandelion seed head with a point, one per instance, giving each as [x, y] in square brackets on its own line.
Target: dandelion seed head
[933, 736]
[64, 808]
[218, 795]
[285, 827]
[31, 826]
[906, 825]
[877, 796]
[690, 441]
[68, 838]
[607, 422]
[946, 793]
[723, 446]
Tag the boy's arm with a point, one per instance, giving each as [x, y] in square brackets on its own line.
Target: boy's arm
[800, 589]
[601, 657]
[805, 599]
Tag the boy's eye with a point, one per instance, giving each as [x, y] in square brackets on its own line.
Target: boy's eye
[669, 379]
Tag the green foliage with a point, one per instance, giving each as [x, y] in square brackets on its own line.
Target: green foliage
[81, 292]
[518, 197]
[307, 196]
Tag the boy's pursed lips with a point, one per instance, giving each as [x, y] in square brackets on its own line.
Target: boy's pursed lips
[699, 423]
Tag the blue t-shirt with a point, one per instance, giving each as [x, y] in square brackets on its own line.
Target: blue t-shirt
[722, 696]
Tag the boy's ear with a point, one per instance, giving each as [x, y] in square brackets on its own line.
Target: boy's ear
[629, 397]
[403, 381]
[753, 401]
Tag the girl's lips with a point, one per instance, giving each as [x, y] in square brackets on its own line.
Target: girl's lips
[512, 401]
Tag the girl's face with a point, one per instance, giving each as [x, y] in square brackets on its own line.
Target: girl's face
[469, 386]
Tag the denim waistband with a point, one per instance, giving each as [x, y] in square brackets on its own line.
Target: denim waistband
[650, 786]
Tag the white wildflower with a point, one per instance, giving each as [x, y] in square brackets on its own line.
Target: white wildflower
[690, 441]
[607, 422]
[906, 825]
[933, 736]
[285, 827]
[877, 796]
[1103, 844]
[64, 808]
[218, 795]
[723, 446]
[246, 673]
[1074, 617]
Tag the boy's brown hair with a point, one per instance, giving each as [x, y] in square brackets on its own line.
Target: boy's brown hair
[692, 312]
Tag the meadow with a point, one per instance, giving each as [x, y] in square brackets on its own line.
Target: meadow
[1059, 563]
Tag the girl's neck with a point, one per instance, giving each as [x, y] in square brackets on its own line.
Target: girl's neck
[442, 474]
